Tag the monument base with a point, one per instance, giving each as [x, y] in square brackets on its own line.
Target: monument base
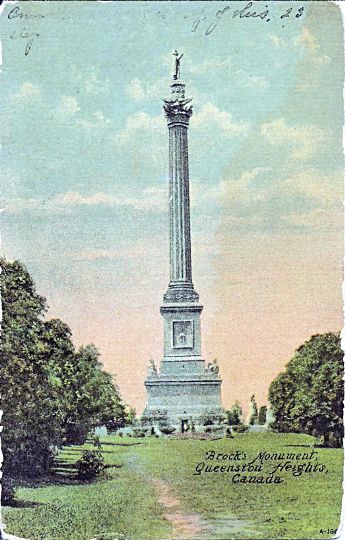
[188, 403]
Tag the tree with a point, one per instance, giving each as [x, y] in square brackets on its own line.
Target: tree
[130, 416]
[51, 393]
[30, 420]
[100, 402]
[262, 415]
[308, 395]
[253, 419]
[234, 415]
[88, 396]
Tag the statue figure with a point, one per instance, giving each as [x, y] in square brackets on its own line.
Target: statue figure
[177, 65]
[152, 368]
[212, 367]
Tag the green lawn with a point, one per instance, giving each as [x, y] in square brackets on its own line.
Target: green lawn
[127, 504]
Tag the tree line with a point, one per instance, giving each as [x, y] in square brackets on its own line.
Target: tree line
[52, 393]
[307, 397]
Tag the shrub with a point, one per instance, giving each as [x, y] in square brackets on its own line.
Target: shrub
[167, 430]
[241, 428]
[228, 433]
[213, 429]
[90, 465]
[234, 415]
[139, 432]
[8, 491]
[96, 442]
[262, 415]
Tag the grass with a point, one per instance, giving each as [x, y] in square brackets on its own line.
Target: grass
[125, 504]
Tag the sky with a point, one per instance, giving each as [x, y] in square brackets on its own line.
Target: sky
[85, 175]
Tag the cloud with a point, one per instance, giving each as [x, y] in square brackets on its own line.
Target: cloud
[241, 188]
[210, 115]
[136, 90]
[27, 90]
[67, 108]
[97, 254]
[140, 91]
[305, 219]
[151, 199]
[209, 64]
[98, 120]
[304, 141]
[137, 122]
[137, 249]
[234, 190]
[316, 219]
[251, 81]
[277, 41]
[93, 85]
[260, 199]
[320, 60]
[307, 40]
[325, 189]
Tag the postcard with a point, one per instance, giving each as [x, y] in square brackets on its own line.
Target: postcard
[171, 270]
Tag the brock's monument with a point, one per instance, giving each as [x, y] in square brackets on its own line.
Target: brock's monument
[184, 395]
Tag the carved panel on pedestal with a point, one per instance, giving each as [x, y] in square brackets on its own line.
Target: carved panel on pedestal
[183, 334]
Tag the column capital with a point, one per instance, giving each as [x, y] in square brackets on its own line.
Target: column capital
[177, 107]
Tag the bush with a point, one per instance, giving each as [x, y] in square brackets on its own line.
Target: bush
[90, 465]
[228, 433]
[241, 428]
[96, 442]
[214, 429]
[167, 430]
[137, 432]
[262, 415]
[8, 491]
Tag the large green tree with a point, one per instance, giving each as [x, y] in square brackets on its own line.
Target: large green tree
[51, 393]
[88, 396]
[31, 421]
[308, 395]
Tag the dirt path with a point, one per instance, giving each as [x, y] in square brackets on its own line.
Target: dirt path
[191, 525]
[184, 525]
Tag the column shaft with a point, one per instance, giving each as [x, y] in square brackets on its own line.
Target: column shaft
[179, 206]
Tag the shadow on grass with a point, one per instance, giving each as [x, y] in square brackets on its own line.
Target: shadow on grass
[328, 447]
[302, 445]
[24, 504]
[65, 464]
[316, 445]
[62, 478]
[121, 444]
[53, 479]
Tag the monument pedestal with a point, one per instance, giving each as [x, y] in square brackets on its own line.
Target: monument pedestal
[185, 403]
[184, 395]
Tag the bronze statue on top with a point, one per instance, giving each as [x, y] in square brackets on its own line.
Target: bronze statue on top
[177, 65]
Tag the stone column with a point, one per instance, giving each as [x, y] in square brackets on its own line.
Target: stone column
[180, 247]
[178, 110]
